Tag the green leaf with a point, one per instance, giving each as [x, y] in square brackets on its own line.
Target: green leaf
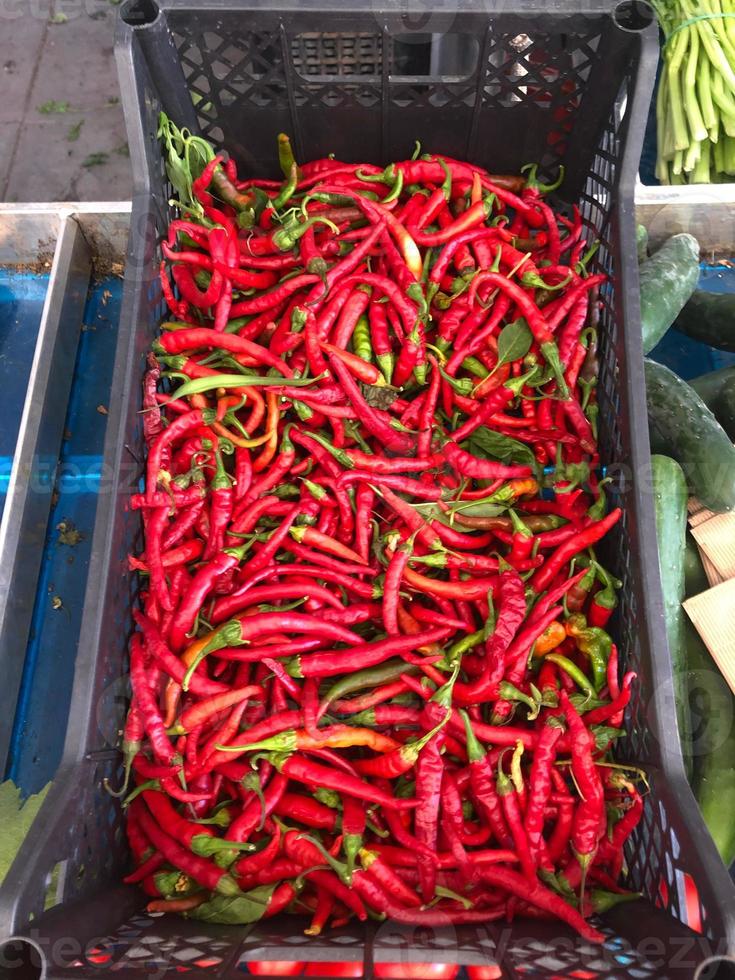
[95, 160]
[52, 106]
[74, 131]
[238, 910]
[16, 818]
[514, 342]
[604, 735]
[485, 442]
[58, 18]
[482, 508]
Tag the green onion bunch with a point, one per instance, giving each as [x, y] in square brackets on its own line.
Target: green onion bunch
[696, 95]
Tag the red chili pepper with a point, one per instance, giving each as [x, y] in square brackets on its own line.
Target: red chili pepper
[377, 423]
[179, 307]
[565, 552]
[379, 869]
[543, 898]
[541, 329]
[587, 818]
[540, 787]
[327, 664]
[480, 469]
[204, 872]
[314, 774]
[315, 539]
[147, 706]
[306, 810]
[511, 615]
[198, 713]
[510, 801]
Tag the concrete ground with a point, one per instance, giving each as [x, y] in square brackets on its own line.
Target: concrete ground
[62, 134]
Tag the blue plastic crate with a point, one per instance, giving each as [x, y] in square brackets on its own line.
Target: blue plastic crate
[22, 295]
[43, 703]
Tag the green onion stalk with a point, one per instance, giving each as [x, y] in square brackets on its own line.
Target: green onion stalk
[696, 96]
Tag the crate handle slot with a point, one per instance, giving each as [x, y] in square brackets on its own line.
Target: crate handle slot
[24, 957]
[140, 13]
[633, 16]
[716, 968]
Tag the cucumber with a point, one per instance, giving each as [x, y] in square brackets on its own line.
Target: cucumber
[667, 279]
[712, 710]
[670, 500]
[725, 407]
[710, 318]
[681, 425]
[695, 577]
[641, 239]
[708, 386]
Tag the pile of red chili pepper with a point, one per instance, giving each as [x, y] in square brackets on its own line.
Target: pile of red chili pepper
[371, 674]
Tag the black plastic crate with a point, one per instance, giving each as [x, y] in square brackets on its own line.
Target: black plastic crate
[501, 84]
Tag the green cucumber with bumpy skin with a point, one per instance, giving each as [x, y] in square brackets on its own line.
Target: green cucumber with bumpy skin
[681, 425]
[724, 407]
[712, 715]
[641, 240]
[709, 318]
[695, 577]
[670, 497]
[712, 709]
[667, 280]
[709, 386]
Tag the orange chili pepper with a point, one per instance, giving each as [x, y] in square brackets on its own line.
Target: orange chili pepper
[258, 411]
[171, 698]
[523, 487]
[476, 192]
[410, 626]
[491, 382]
[271, 444]
[550, 639]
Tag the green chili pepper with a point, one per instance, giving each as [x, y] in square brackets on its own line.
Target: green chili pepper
[288, 190]
[395, 190]
[361, 339]
[200, 385]
[329, 797]
[342, 458]
[476, 367]
[594, 643]
[370, 678]
[463, 386]
[286, 159]
[581, 267]
[606, 597]
[578, 676]
[286, 237]
[447, 182]
[303, 411]
[234, 326]
[536, 282]
[509, 692]
[532, 182]
[458, 649]
[598, 510]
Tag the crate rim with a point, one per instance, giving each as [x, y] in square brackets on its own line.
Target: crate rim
[74, 761]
